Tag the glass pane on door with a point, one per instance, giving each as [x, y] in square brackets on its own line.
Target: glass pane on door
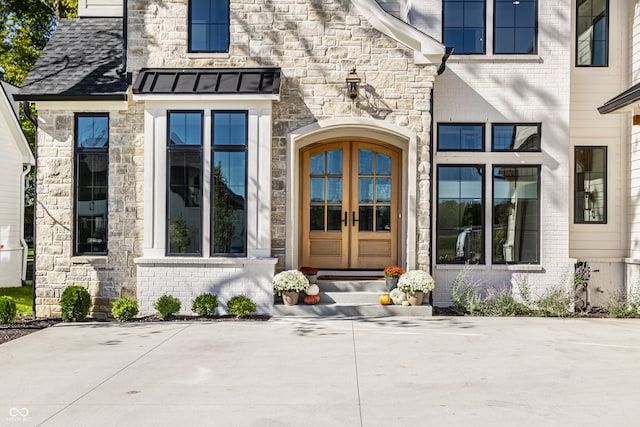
[325, 191]
[374, 191]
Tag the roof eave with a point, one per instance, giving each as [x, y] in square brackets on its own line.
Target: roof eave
[622, 102]
[79, 97]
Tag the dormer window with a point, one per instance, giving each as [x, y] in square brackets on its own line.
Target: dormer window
[208, 25]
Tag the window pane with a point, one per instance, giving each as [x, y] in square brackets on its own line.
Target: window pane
[365, 190]
[185, 128]
[316, 190]
[383, 164]
[316, 217]
[460, 137]
[591, 32]
[365, 217]
[365, 162]
[383, 218]
[230, 128]
[317, 164]
[516, 138]
[91, 203]
[383, 190]
[184, 216]
[460, 214]
[209, 26]
[228, 202]
[334, 218]
[92, 131]
[515, 26]
[463, 25]
[590, 203]
[516, 223]
[334, 162]
[334, 190]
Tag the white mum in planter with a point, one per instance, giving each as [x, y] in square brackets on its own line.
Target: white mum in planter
[416, 281]
[290, 281]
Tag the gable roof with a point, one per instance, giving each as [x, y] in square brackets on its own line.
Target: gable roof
[81, 61]
[625, 99]
[10, 126]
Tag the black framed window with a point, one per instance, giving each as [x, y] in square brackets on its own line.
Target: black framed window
[515, 137]
[91, 183]
[590, 182]
[464, 25]
[229, 183]
[516, 215]
[592, 28]
[460, 218]
[184, 176]
[515, 27]
[208, 25]
[460, 137]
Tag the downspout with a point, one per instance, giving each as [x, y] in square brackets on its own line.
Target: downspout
[431, 168]
[25, 248]
[26, 108]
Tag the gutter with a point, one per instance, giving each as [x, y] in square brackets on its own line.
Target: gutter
[26, 108]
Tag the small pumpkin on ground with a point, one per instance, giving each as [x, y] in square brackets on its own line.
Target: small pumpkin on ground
[313, 290]
[384, 299]
[311, 299]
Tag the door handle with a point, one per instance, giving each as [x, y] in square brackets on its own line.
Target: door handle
[353, 218]
[345, 221]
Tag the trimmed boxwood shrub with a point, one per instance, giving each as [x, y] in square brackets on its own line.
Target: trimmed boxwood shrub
[241, 306]
[8, 310]
[124, 309]
[75, 302]
[205, 305]
[167, 305]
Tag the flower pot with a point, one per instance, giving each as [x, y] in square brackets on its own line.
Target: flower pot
[415, 298]
[290, 298]
[312, 278]
[390, 283]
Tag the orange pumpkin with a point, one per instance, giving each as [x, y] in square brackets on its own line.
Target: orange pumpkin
[311, 299]
[384, 299]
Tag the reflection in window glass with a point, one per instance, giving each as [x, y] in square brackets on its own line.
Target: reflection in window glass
[365, 162]
[209, 26]
[516, 138]
[460, 137]
[185, 128]
[317, 164]
[515, 28]
[590, 203]
[516, 215]
[460, 214]
[383, 218]
[591, 32]
[184, 229]
[365, 190]
[365, 218]
[463, 25]
[92, 131]
[334, 162]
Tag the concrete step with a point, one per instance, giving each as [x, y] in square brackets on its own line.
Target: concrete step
[349, 297]
[351, 285]
[351, 310]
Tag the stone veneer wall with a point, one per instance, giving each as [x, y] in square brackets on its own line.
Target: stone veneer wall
[316, 44]
[106, 277]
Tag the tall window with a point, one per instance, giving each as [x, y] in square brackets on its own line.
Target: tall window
[516, 214]
[209, 25]
[591, 32]
[464, 25]
[91, 183]
[468, 174]
[515, 26]
[229, 183]
[590, 203]
[460, 221]
[184, 174]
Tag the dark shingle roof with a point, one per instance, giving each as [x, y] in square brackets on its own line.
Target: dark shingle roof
[208, 81]
[627, 97]
[81, 61]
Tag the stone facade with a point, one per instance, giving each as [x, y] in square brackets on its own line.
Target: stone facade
[314, 43]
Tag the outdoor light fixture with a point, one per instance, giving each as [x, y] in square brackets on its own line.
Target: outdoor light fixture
[353, 83]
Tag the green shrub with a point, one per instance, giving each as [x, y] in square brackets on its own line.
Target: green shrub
[619, 306]
[124, 309]
[167, 305]
[241, 306]
[205, 305]
[502, 303]
[8, 309]
[461, 293]
[555, 303]
[75, 302]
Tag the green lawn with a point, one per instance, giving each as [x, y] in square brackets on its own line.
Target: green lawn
[23, 297]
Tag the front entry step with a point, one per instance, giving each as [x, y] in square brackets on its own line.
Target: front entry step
[350, 298]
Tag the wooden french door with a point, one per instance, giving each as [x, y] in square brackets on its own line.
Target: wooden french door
[350, 205]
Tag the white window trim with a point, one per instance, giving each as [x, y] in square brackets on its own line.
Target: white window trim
[258, 173]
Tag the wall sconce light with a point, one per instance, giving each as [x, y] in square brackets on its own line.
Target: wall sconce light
[353, 84]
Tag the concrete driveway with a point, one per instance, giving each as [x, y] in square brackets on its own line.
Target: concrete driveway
[439, 371]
